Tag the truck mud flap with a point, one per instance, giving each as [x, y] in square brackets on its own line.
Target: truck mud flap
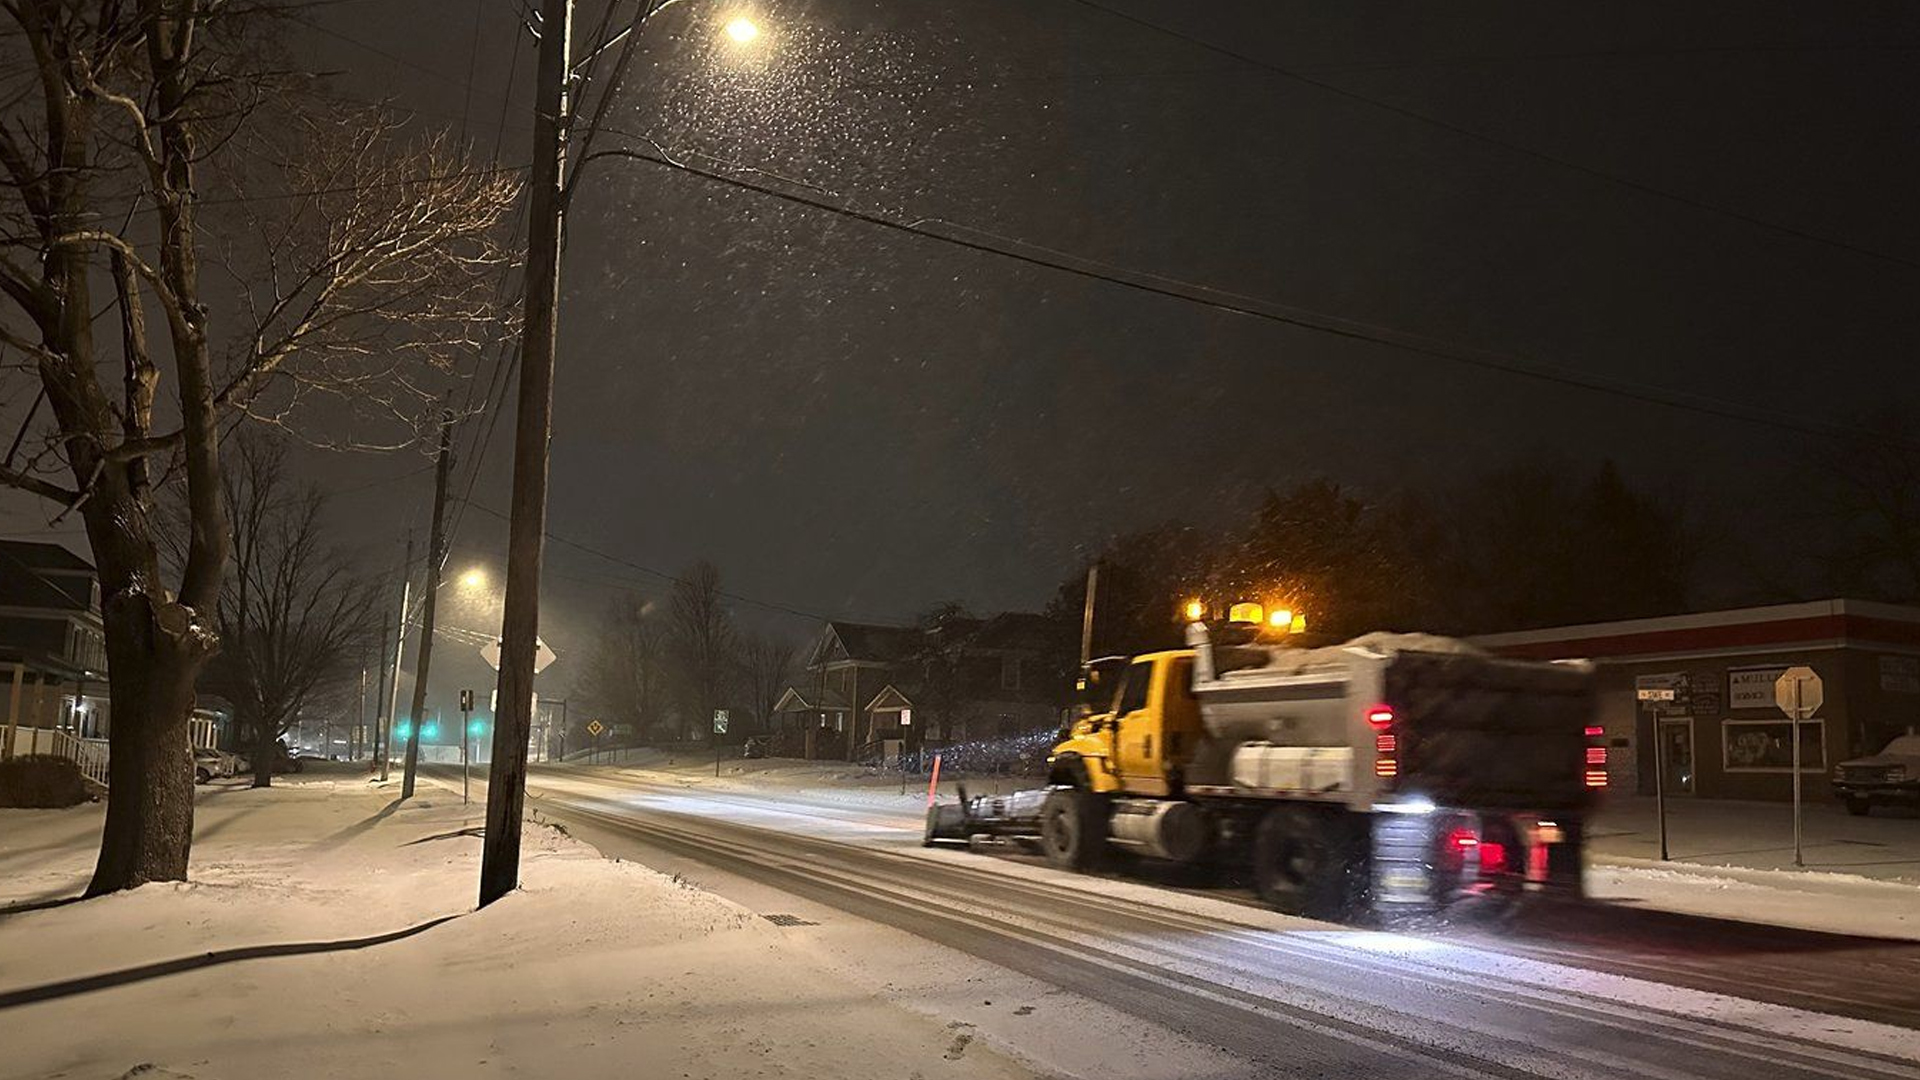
[1403, 876]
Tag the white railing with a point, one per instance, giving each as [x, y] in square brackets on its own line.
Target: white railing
[89, 754]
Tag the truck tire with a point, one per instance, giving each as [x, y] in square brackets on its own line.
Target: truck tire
[1859, 806]
[1300, 863]
[1073, 829]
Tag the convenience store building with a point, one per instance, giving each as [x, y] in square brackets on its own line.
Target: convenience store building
[1723, 736]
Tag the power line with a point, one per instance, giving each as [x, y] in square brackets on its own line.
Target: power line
[1295, 75]
[1255, 307]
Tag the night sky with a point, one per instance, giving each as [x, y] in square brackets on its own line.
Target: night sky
[861, 423]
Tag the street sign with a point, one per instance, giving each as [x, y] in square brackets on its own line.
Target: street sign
[720, 718]
[542, 655]
[1798, 692]
[1654, 695]
[595, 727]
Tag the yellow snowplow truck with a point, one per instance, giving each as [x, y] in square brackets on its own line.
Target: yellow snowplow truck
[1395, 772]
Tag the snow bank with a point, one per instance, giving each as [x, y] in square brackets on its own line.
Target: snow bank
[1809, 900]
[329, 932]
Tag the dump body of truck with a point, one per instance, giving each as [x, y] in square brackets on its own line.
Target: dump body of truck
[1388, 715]
[1398, 770]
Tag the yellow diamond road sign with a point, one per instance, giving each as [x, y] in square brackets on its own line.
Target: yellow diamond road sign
[595, 727]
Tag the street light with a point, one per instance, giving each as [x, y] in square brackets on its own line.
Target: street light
[742, 30]
[475, 578]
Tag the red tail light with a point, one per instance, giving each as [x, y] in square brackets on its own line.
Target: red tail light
[1596, 771]
[1493, 858]
[1386, 764]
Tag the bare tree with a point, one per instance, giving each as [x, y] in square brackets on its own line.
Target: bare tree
[626, 674]
[108, 111]
[293, 616]
[1866, 529]
[702, 645]
[766, 669]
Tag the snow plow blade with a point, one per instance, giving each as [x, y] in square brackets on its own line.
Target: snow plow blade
[960, 822]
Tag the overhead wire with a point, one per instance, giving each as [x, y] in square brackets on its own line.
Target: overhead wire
[1270, 311]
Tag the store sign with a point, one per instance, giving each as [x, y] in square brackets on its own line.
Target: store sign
[1705, 688]
[1676, 681]
[1752, 688]
[1900, 674]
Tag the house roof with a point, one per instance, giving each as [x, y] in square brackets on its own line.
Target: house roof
[871, 641]
[36, 575]
[889, 699]
[795, 699]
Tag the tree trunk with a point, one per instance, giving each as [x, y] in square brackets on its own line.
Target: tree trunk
[155, 653]
[264, 737]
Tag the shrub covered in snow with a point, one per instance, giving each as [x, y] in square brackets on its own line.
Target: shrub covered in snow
[41, 781]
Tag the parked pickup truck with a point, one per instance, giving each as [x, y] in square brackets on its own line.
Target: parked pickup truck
[1890, 776]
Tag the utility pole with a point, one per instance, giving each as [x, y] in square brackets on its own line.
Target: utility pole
[1086, 615]
[358, 741]
[379, 699]
[533, 424]
[399, 650]
[436, 555]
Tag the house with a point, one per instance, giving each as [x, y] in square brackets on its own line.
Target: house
[876, 691]
[52, 648]
[53, 656]
[1722, 735]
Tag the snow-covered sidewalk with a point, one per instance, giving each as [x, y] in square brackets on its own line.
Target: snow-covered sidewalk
[330, 932]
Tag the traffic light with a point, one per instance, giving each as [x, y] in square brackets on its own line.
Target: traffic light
[403, 729]
[476, 727]
[430, 730]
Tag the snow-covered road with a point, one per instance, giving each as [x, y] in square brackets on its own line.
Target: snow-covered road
[1114, 977]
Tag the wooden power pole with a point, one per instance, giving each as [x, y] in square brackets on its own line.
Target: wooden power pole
[399, 649]
[533, 424]
[436, 558]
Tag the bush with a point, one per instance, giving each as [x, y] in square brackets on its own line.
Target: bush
[41, 781]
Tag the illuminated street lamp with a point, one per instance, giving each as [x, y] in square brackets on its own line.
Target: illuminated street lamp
[742, 30]
[475, 578]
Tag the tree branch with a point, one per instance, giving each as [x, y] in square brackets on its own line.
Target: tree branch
[45, 489]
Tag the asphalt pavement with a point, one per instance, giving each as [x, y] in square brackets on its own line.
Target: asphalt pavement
[1279, 996]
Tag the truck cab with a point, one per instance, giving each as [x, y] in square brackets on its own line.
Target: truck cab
[1140, 741]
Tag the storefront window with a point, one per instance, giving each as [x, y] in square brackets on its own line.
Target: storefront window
[1767, 745]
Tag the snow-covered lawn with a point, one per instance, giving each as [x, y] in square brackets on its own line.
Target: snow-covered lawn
[330, 932]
